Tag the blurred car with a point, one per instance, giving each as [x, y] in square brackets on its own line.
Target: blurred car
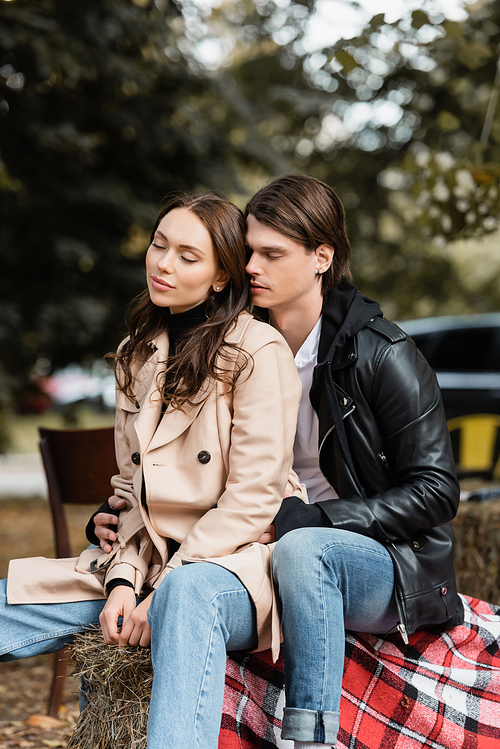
[75, 384]
[464, 351]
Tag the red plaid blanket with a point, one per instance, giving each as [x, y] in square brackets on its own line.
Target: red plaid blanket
[441, 691]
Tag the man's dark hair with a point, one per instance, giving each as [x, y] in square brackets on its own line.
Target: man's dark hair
[308, 211]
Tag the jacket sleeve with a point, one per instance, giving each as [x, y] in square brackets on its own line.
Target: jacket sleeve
[405, 399]
[265, 408]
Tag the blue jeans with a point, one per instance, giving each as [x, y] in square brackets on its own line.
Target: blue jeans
[198, 612]
[327, 580]
[27, 630]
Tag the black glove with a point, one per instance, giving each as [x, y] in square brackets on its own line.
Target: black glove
[295, 513]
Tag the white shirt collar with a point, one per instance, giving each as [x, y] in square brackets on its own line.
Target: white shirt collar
[308, 352]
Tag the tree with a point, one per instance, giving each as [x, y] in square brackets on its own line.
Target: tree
[402, 121]
[101, 116]
[108, 105]
[420, 163]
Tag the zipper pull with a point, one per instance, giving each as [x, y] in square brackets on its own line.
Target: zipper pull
[402, 631]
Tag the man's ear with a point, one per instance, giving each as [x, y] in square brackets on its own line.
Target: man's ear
[324, 258]
[221, 281]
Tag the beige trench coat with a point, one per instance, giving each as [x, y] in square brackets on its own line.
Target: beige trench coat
[214, 479]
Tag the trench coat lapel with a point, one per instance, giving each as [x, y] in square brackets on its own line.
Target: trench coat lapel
[150, 432]
[146, 387]
[172, 425]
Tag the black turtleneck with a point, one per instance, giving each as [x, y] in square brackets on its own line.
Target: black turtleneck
[182, 322]
[177, 325]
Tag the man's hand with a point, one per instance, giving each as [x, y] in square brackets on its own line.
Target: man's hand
[103, 519]
[269, 536]
[121, 602]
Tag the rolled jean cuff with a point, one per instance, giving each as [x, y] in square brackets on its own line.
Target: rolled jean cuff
[317, 726]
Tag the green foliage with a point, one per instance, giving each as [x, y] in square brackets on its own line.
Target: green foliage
[98, 123]
[106, 106]
[84, 152]
[394, 119]
[404, 123]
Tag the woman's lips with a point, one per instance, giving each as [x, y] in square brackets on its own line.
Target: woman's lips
[159, 284]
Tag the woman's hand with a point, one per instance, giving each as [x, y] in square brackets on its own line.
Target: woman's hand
[121, 602]
[136, 630]
[103, 519]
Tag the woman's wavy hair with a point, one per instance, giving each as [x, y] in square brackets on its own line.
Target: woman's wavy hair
[199, 353]
[310, 212]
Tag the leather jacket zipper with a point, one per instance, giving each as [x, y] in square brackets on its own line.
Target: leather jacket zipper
[402, 631]
[383, 459]
[344, 416]
[332, 482]
[324, 439]
[400, 626]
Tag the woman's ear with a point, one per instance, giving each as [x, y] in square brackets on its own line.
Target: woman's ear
[221, 281]
[324, 257]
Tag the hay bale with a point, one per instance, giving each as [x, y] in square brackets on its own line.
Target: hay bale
[477, 550]
[119, 682]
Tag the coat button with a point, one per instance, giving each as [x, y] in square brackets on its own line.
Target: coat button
[204, 456]
[444, 591]
[136, 459]
[416, 545]
[352, 356]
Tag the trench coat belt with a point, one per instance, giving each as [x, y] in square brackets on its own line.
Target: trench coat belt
[132, 523]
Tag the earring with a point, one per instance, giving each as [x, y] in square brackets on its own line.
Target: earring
[217, 288]
[318, 272]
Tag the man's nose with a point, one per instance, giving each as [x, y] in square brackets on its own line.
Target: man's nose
[252, 267]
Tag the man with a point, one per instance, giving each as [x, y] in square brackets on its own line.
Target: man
[373, 550]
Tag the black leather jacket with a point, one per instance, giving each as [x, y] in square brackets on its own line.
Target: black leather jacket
[401, 488]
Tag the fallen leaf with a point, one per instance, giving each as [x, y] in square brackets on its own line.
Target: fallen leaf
[44, 721]
[53, 742]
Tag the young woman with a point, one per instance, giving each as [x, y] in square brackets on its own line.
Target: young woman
[207, 401]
